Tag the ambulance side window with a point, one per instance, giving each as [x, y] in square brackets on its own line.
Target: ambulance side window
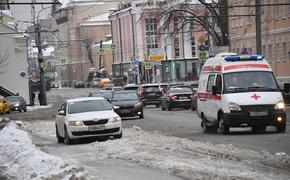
[218, 83]
[210, 83]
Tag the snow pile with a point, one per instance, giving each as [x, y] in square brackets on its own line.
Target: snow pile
[33, 108]
[22, 160]
[194, 160]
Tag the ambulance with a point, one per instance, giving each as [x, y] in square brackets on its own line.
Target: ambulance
[239, 91]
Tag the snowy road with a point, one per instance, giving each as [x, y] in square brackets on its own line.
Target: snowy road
[157, 147]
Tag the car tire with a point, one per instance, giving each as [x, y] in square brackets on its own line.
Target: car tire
[25, 110]
[58, 137]
[19, 110]
[162, 108]
[281, 128]
[222, 127]
[258, 129]
[119, 136]
[9, 111]
[157, 105]
[205, 128]
[141, 116]
[67, 140]
[169, 107]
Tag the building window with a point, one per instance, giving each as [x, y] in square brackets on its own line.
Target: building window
[176, 38]
[278, 55]
[193, 52]
[270, 51]
[151, 33]
[264, 50]
[283, 9]
[176, 46]
[276, 9]
[284, 50]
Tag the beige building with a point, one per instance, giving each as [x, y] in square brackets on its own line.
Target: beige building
[275, 29]
[74, 33]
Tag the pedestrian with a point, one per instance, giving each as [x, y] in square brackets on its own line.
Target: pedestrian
[40, 98]
[33, 98]
[125, 78]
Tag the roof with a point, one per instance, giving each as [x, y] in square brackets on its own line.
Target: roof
[84, 99]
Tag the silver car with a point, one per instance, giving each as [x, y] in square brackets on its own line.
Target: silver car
[86, 117]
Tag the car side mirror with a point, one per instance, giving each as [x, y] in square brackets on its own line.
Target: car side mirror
[116, 107]
[214, 90]
[287, 87]
[61, 113]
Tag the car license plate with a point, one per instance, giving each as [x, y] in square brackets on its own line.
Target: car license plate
[258, 113]
[184, 97]
[151, 94]
[96, 127]
[125, 111]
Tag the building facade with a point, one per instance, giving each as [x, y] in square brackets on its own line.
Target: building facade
[71, 25]
[144, 50]
[275, 31]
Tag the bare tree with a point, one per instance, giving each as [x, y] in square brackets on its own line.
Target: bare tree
[88, 45]
[202, 16]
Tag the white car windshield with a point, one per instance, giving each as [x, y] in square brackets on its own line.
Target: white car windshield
[88, 106]
[250, 81]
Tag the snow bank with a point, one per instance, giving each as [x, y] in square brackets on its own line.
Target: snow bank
[33, 108]
[20, 159]
[194, 160]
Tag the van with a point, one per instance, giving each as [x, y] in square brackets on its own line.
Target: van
[239, 91]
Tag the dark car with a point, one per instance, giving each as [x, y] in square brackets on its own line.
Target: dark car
[80, 84]
[17, 103]
[130, 87]
[118, 82]
[102, 93]
[177, 97]
[194, 100]
[150, 94]
[129, 104]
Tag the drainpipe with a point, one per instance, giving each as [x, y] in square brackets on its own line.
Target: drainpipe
[121, 46]
[134, 49]
[112, 36]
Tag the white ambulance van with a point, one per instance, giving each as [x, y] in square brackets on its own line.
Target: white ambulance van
[239, 91]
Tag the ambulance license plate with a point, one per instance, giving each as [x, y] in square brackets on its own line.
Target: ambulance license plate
[259, 113]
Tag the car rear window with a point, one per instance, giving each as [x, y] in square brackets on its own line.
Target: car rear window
[182, 90]
[151, 89]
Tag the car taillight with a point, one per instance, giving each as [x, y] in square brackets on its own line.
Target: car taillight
[173, 98]
[142, 93]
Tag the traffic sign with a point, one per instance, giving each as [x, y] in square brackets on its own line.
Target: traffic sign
[202, 47]
[113, 47]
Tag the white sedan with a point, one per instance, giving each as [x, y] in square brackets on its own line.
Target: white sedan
[86, 117]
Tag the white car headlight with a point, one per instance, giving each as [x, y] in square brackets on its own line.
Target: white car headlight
[234, 106]
[280, 105]
[17, 104]
[75, 123]
[114, 119]
[138, 104]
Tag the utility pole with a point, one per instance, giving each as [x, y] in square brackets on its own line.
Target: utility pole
[42, 89]
[101, 54]
[258, 26]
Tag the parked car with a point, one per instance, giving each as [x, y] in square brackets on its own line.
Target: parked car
[133, 87]
[86, 117]
[177, 97]
[102, 93]
[118, 81]
[17, 103]
[80, 84]
[194, 99]
[117, 88]
[129, 104]
[150, 94]
[4, 105]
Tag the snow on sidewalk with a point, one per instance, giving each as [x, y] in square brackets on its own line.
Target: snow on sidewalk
[192, 159]
[183, 157]
[20, 159]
